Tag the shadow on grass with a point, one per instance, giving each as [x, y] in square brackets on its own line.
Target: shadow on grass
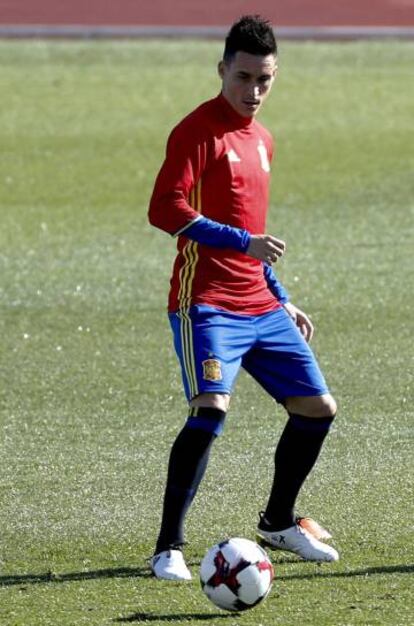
[153, 617]
[367, 571]
[145, 572]
[51, 577]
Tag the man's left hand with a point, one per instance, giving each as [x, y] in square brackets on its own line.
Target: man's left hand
[301, 320]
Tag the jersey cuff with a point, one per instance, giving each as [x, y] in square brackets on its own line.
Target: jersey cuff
[184, 228]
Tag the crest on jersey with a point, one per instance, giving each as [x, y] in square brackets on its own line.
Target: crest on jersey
[211, 369]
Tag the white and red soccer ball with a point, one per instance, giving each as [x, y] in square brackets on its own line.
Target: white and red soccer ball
[236, 574]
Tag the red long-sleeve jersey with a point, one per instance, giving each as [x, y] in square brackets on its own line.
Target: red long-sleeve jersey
[218, 165]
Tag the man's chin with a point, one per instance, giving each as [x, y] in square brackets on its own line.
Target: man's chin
[250, 110]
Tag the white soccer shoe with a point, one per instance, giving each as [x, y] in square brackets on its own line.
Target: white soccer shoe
[170, 565]
[298, 540]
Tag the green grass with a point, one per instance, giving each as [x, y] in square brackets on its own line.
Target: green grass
[90, 394]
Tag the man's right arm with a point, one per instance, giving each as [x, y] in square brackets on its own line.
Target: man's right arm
[170, 209]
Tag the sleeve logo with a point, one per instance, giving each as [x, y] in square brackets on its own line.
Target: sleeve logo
[233, 157]
[264, 159]
[211, 369]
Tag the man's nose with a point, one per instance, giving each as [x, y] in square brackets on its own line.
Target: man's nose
[254, 91]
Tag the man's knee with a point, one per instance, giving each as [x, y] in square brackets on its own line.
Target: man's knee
[312, 406]
[208, 412]
[219, 401]
[206, 419]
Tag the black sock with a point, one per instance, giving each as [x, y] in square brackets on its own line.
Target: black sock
[296, 454]
[188, 462]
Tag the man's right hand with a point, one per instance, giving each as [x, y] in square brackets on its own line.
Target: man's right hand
[266, 248]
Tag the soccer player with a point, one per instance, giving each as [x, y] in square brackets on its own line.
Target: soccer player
[227, 308]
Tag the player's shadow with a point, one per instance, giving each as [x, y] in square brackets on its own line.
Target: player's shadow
[154, 617]
[145, 572]
[51, 577]
[366, 571]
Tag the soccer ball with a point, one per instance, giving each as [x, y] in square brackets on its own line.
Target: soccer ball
[236, 574]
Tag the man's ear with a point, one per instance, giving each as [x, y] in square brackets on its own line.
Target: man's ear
[220, 69]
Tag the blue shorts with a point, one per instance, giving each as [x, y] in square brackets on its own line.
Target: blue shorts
[212, 345]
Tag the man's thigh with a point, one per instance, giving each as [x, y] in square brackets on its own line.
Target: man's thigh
[210, 345]
[281, 361]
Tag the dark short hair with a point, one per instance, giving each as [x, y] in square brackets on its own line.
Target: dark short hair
[252, 34]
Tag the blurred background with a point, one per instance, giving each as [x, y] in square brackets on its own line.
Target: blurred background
[145, 16]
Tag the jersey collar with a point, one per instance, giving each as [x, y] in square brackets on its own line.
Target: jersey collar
[239, 121]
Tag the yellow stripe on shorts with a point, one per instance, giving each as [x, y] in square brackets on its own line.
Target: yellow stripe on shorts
[188, 352]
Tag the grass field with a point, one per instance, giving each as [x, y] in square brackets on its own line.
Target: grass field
[90, 394]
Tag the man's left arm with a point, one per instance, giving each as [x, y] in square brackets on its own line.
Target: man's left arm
[300, 318]
[275, 285]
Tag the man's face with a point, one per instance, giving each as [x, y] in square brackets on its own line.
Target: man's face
[247, 80]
